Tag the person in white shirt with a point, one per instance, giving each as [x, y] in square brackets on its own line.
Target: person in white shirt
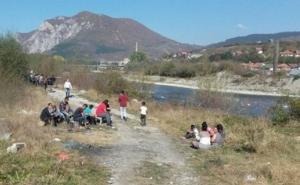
[144, 110]
[204, 141]
[192, 133]
[68, 88]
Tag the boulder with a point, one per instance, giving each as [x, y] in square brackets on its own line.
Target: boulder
[250, 178]
[57, 140]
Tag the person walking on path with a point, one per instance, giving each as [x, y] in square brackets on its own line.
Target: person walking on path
[144, 111]
[123, 100]
[68, 88]
[45, 83]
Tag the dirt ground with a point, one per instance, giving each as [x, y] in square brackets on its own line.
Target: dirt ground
[138, 155]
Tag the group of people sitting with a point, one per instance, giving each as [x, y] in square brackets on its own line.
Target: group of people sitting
[85, 115]
[207, 137]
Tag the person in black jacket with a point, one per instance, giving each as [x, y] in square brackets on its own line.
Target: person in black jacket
[46, 114]
[79, 116]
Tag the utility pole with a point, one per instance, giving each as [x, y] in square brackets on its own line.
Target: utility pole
[276, 57]
[136, 47]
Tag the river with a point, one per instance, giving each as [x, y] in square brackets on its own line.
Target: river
[238, 104]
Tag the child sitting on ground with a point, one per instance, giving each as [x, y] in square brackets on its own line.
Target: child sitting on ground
[219, 136]
[192, 133]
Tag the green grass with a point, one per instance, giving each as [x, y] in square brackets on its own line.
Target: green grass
[152, 173]
[291, 129]
[45, 168]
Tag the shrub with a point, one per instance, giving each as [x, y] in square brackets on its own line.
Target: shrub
[286, 108]
[46, 65]
[245, 135]
[279, 115]
[280, 74]
[295, 108]
[207, 68]
[138, 57]
[167, 69]
[111, 82]
[185, 70]
[13, 61]
[13, 69]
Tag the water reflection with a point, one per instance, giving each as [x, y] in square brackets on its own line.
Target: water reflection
[246, 105]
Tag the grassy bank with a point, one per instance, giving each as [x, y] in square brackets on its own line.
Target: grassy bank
[39, 162]
[255, 151]
[253, 146]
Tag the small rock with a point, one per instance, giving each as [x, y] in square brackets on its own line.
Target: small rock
[41, 124]
[57, 139]
[151, 178]
[25, 112]
[250, 178]
[111, 180]
[82, 92]
[15, 147]
[12, 149]
[135, 100]
[171, 182]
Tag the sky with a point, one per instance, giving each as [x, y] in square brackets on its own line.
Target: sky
[189, 21]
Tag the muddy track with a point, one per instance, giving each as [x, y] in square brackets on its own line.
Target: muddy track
[142, 155]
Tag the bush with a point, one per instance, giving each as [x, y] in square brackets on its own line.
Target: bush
[286, 108]
[207, 68]
[46, 65]
[279, 115]
[248, 134]
[111, 82]
[295, 108]
[167, 69]
[13, 69]
[13, 61]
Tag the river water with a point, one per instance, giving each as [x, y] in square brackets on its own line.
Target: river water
[238, 104]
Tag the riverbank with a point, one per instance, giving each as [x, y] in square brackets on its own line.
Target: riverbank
[226, 83]
[244, 159]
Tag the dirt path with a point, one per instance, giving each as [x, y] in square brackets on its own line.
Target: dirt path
[142, 155]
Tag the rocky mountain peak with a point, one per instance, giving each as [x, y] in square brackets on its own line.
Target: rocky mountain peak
[95, 36]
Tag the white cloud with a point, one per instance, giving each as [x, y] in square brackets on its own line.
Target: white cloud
[241, 26]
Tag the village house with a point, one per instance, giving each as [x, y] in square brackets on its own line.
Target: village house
[253, 66]
[297, 53]
[195, 55]
[237, 53]
[259, 50]
[184, 54]
[287, 53]
[283, 67]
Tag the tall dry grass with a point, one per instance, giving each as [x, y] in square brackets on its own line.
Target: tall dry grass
[253, 146]
[38, 162]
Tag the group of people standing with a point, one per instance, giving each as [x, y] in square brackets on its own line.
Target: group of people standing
[42, 80]
[207, 137]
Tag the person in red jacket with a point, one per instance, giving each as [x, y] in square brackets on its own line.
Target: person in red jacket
[102, 112]
[123, 100]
